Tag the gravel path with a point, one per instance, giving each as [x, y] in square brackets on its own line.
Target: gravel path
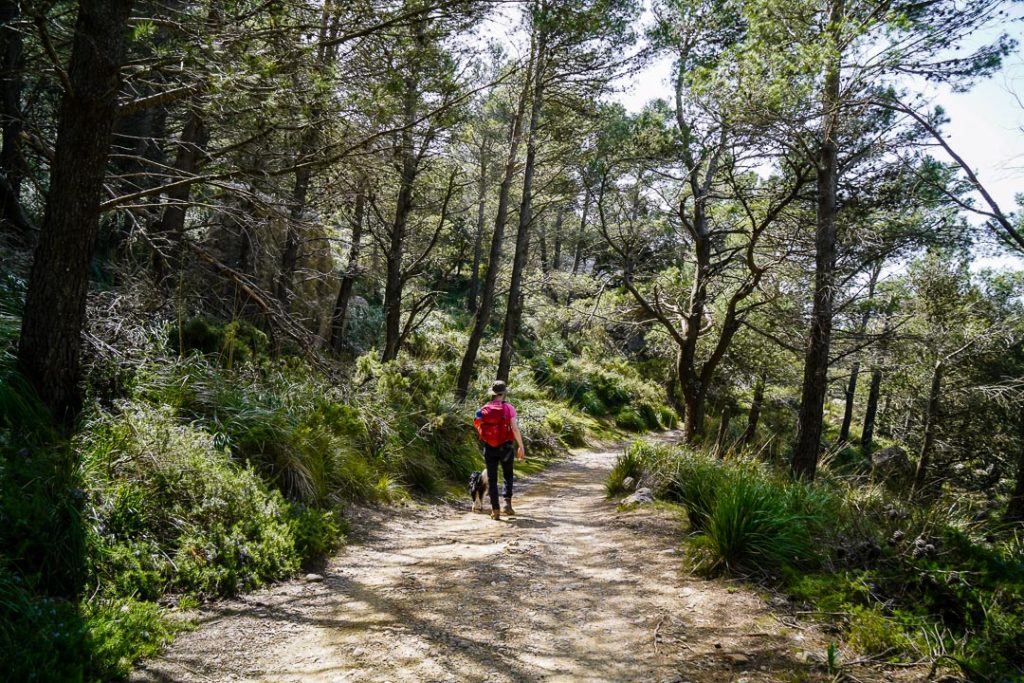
[567, 590]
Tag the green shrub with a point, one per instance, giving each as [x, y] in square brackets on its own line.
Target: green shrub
[871, 632]
[744, 517]
[752, 527]
[630, 463]
[171, 511]
[570, 430]
[694, 481]
[120, 632]
[630, 419]
[234, 343]
[667, 418]
[41, 638]
[42, 532]
[316, 532]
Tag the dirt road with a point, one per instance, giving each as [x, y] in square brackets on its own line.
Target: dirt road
[567, 590]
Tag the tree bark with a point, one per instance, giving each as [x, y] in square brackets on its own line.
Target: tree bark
[672, 394]
[755, 412]
[543, 229]
[48, 351]
[300, 194]
[393, 258]
[556, 262]
[931, 420]
[723, 431]
[1015, 507]
[481, 207]
[577, 258]
[169, 232]
[338, 319]
[815, 383]
[868, 434]
[514, 309]
[851, 389]
[394, 280]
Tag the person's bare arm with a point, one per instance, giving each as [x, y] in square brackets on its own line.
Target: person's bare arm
[521, 453]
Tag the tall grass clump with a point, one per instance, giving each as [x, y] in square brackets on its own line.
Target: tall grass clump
[744, 518]
[753, 526]
[630, 464]
[906, 579]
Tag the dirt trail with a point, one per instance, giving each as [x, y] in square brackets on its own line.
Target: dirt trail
[567, 590]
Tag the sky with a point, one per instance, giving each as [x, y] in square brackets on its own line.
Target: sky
[986, 124]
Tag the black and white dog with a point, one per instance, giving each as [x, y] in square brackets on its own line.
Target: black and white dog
[478, 489]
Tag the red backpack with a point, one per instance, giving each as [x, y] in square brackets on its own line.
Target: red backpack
[494, 424]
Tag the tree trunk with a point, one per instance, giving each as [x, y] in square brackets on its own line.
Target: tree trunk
[815, 383]
[577, 258]
[543, 229]
[1015, 507]
[755, 412]
[396, 248]
[851, 388]
[300, 193]
[931, 419]
[556, 262]
[872, 408]
[394, 281]
[723, 431]
[693, 418]
[12, 162]
[170, 231]
[481, 208]
[48, 351]
[694, 390]
[483, 312]
[338, 319]
[672, 394]
[514, 309]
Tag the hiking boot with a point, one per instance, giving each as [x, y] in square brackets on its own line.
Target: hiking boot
[508, 507]
[495, 513]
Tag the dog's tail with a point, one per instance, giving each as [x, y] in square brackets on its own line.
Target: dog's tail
[474, 482]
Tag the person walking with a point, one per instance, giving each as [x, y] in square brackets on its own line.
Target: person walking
[499, 430]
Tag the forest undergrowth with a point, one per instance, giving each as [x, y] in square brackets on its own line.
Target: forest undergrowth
[938, 581]
[204, 466]
[260, 261]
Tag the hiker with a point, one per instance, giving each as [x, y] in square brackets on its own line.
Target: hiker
[496, 423]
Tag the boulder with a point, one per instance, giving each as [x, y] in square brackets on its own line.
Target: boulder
[640, 497]
[892, 465]
[629, 484]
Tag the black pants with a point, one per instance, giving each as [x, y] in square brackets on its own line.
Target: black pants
[505, 454]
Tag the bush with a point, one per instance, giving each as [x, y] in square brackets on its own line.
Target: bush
[744, 517]
[630, 464]
[569, 429]
[631, 420]
[870, 631]
[752, 527]
[41, 638]
[171, 511]
[233, 343]
[120, 632]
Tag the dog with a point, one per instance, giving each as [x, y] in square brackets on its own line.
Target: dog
[478, 489]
